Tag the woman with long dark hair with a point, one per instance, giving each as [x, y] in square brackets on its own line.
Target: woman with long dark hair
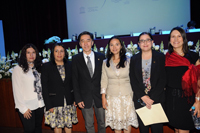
[116, 89]
[147, 76]
[27, 89]
[58, 92]
[181, 88]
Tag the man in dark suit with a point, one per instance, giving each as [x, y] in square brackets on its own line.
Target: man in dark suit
[86, 76]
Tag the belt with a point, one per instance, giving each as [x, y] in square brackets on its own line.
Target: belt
[177, 92]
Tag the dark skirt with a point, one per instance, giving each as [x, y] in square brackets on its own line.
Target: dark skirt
[177, 109]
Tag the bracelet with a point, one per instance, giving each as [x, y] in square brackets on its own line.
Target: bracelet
[198, 98]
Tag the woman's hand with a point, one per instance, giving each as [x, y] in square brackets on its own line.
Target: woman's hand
[148, 101]
[197, 62]
[81, 105]
[197, 108]
[51, 110]
[27, 114]
[104, 102]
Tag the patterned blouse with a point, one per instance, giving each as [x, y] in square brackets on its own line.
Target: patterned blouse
[146, 72]
[61, 70]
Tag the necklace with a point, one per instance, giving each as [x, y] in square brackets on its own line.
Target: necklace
[116, 61]
[181, 54]
[30, 63]
[146, 62]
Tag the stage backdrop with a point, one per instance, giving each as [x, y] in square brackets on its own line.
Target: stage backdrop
[120, 17]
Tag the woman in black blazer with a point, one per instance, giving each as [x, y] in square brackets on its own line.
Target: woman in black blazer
[147, 76]
[57, 91]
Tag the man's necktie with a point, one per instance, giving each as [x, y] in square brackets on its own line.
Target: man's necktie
[89, 65]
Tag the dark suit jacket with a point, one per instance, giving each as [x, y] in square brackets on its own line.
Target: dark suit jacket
[87, 89]
[157, 78]
[54, 89]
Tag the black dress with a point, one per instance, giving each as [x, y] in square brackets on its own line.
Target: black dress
[177, 105]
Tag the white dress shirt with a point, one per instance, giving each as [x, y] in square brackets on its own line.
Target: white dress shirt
[91, 55]
[23, 90]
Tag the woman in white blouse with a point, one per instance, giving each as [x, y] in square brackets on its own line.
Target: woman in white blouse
[116, 90]
[27, 89]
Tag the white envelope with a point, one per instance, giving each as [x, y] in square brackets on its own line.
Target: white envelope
[152, 116]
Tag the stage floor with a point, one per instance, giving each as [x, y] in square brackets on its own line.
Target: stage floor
[20, 130]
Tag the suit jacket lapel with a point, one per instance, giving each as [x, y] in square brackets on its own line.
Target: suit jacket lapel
[96, 62]
[66, 69]
[153, 67]
[57, 73]
[139, 68]
[113, 67]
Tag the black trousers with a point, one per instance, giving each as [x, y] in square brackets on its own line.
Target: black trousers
[34, 124]
[155, 128]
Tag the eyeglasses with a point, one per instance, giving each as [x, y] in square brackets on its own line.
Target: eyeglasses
[143, 41]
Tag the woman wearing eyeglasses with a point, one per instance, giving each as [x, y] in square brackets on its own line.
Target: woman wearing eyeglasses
[147, 76]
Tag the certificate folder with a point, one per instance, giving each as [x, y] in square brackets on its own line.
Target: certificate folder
[152, 116]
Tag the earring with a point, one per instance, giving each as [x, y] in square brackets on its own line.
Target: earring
[121, 51]
[110, 53]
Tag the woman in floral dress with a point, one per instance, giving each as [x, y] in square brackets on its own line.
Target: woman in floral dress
[57, 91]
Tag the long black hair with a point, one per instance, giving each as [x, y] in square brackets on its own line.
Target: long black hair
[65, 59]
[122, 53]
[23, 60]
[185, 45]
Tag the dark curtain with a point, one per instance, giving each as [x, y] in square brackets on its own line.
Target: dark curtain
[195, 13]
[32, 21]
